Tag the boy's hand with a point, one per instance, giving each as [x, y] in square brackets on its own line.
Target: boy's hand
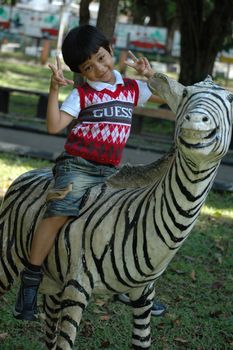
[57, 78]
[141, 65]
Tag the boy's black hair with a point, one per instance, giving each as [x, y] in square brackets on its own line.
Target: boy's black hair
[80, 43]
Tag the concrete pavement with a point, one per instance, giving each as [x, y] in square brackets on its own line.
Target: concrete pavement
[46, 146]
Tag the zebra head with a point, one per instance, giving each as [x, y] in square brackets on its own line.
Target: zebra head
[204, 116]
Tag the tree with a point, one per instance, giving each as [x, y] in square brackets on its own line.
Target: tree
[9, 2]
[107, 16]
[204, 25]
[84, 13]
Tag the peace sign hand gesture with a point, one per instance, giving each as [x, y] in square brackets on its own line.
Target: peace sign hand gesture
[57, 78]
[141, 65]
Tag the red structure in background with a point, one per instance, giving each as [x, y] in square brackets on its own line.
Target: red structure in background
[49, 31]
[4, 24]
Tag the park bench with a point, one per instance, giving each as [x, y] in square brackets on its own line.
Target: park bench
[139, 112]
[5, 93]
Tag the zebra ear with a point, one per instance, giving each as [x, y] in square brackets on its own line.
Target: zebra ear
[208, 79]
[168, 89]
[230, 98]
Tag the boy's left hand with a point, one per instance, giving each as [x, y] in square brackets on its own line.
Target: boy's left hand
[57, 78]
[141, 65]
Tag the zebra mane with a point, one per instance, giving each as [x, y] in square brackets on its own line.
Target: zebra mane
[207, 83]
[136, 176]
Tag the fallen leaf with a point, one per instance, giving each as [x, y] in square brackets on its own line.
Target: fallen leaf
[87, 330]
[181, 340]
[218, 257]
[100, 302]
[3, 336]
[176, 322]
[189, 258]
[193, 276]
[104, 318]
[179, 298]
[161, 325]
[98, 311]
[178, 272]
[219, 246]
[105, 344]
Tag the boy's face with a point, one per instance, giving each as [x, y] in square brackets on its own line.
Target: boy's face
[99, 67]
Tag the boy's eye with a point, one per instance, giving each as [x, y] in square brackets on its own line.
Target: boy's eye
[101, 57]
[87, 69]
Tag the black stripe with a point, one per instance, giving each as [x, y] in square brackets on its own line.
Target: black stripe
[72, 303]
[185, 213]
[145, 314]
[140, 338]
[78, 286]
[141, 326]
[8, 275]
[67, 318]
[159, 233]
[67, 338]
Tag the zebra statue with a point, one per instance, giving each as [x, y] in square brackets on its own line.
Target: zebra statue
[130, 228]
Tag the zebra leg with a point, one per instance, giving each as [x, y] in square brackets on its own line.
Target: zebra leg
[8, 276]
[74, 301]
[52, 308]
[141, 337]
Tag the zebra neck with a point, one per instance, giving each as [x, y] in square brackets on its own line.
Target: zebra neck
[191, 180]
[178, 199]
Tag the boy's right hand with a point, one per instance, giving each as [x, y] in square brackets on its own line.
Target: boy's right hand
[141, 65]
[57, 78]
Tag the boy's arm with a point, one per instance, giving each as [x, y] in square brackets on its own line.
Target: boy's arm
[56, 120]
[156, 99]
[143, 67]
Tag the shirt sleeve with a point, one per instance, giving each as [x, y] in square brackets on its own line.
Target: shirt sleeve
[144, 92]
[71, 105]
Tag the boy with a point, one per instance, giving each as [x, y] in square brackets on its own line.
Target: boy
[103, 109]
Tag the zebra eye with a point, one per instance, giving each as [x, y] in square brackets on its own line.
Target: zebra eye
[230, 98]
[185, 92]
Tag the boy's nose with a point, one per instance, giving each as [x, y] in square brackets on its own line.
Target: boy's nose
[99, 68]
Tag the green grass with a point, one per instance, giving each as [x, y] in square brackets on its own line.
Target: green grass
[27, 75]
[197, 287]
[30, 76]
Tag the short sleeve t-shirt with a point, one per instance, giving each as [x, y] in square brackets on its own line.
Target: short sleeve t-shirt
[104, 117]
[72, 105]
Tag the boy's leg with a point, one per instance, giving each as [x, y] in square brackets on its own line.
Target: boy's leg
[44, 238]
[31, 276]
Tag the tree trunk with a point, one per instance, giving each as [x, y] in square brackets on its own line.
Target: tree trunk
[84, 13]
[84, 17]
[107, 17]
[139, 11]
[157, 10]
[202, 36]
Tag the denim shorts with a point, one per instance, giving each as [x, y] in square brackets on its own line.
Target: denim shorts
[73, 177]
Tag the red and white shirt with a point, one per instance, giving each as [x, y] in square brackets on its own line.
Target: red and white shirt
[104, 115]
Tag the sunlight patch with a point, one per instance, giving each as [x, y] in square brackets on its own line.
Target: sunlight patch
[217, 213]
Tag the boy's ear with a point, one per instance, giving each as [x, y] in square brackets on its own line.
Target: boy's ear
[111, 50]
